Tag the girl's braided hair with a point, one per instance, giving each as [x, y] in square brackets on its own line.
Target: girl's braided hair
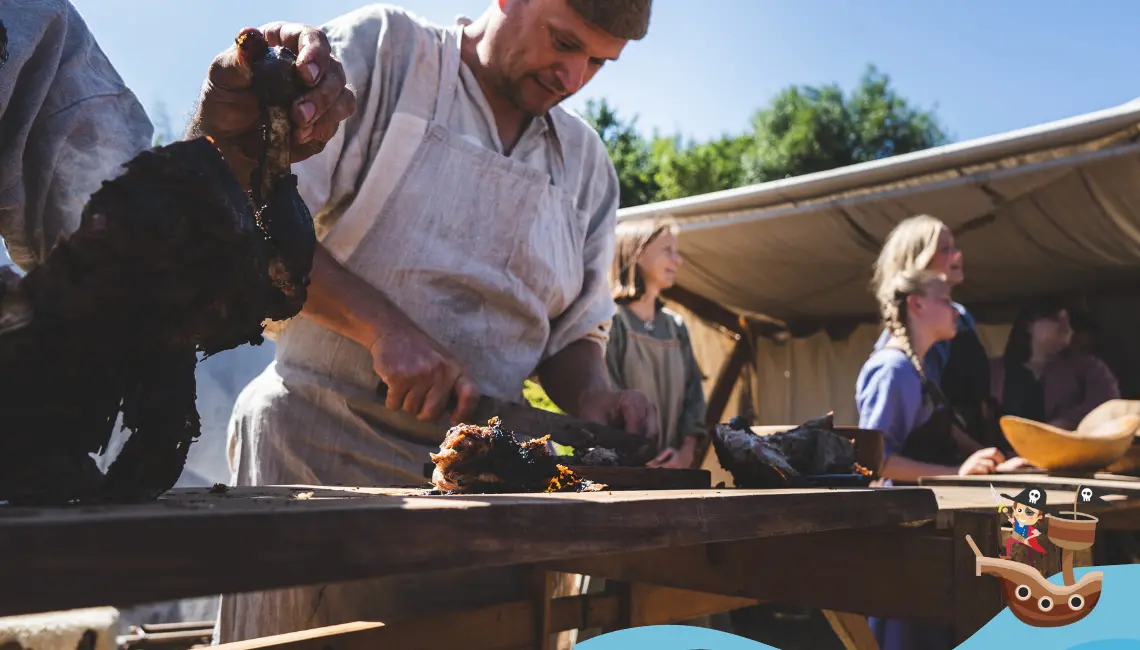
[893, 307]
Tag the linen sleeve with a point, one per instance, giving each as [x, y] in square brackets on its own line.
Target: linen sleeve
[889, 400]
[70, 123]
[377, 46]
[591, 314]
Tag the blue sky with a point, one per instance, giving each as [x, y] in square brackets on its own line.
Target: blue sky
[706, 66]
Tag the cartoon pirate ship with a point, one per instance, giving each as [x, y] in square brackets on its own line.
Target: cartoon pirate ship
[1033, 599]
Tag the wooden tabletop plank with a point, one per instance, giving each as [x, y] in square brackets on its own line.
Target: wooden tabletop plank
[1123, 485]
[194, 543]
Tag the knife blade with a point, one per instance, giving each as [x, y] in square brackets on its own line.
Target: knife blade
[563, 429]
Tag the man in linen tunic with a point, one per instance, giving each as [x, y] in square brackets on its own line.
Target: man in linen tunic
[498, 254]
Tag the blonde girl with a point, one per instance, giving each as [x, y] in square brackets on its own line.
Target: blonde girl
[894, 392]
[649, 347]
[896, 396]
[958, 366]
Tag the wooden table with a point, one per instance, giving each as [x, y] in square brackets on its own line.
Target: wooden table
[195, 543]
[667, 555]
[923, 571]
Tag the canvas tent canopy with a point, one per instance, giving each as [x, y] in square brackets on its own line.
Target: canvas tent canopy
[1052, 209]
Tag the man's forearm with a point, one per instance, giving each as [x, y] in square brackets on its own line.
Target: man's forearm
[577, 369]
[343, 302]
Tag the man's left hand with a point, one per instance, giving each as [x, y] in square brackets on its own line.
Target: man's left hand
[673, 458]
[631, 410]
[229, 112]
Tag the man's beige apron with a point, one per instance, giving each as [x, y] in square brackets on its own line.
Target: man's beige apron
[453, 246]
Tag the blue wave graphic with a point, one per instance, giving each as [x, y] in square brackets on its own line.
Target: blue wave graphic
[1111, 626]
[671, 637]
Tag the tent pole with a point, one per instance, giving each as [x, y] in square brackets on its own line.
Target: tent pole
[726, 381]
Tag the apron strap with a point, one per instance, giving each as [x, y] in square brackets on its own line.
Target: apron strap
[558, 160]
[448, 73]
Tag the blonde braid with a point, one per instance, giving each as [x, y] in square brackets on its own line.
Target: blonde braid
[894, 316]
[893, 307]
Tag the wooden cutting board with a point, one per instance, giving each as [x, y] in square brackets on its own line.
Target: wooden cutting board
[636, 478]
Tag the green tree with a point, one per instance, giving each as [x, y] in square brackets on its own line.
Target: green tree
[629, 151]
[803, 129]
[699, 168]
[808, 129]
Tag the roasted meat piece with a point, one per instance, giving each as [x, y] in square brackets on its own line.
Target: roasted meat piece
[479, 460]
[599, 457]
[171, 260]
[777, 460]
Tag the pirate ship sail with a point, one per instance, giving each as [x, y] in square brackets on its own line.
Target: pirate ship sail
[1033, 599]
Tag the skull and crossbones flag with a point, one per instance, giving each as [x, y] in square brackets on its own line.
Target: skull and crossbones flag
[1032, 496]
[1088, 496]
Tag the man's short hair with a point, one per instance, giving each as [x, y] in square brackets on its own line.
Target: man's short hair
[626, 19]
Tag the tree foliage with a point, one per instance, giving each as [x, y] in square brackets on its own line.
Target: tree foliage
[803, 129]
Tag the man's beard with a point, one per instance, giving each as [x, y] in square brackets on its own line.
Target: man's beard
[514, 93]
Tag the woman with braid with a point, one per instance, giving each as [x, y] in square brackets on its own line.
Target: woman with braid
[959, 366]
[895, 396]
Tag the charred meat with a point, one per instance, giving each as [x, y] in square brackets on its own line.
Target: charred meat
[490, 459]
[778, 460]
[171, 260]
[598, 457]
[281, 213]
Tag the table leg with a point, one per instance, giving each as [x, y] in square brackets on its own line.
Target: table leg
[852, 629]
[977, 599]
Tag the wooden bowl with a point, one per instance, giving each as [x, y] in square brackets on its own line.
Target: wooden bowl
[1100, 443]
[1129, 463]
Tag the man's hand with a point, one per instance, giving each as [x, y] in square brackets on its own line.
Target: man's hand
[421, 375]
[228, 109]
[630, 410]
[676, 457]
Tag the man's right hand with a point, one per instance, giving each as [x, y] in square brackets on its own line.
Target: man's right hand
[421, 375]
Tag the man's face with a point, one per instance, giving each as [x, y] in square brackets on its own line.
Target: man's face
[543, 52]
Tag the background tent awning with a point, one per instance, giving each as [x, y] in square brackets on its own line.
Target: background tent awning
[1052, 208]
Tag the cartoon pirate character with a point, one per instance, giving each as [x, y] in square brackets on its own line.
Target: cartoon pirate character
[1028, 509]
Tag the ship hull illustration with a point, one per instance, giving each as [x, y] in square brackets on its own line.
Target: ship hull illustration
[1034, 600]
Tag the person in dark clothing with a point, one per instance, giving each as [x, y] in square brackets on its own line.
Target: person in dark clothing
[1041, 378]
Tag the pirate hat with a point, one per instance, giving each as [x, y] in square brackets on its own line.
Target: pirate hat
[1032, 496]
[1089, 496]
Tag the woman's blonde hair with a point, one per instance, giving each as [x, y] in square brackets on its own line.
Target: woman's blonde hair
[893, 306]
[631, 239]
[909, 247]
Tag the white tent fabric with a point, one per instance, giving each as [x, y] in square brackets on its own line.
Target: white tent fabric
[1053, 208]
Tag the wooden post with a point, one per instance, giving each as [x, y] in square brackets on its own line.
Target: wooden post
[545, 585]
[977, 599]
[722, 389]
[853, 630]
